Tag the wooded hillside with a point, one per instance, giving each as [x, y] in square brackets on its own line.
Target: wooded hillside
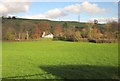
[27, 29]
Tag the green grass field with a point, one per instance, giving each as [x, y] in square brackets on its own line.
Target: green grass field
[59, 60]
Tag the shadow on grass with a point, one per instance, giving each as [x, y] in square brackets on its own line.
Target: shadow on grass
[24, 76]
[82, 71]
[75, 72]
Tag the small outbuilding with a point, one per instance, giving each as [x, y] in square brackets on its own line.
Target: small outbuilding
[47, 36]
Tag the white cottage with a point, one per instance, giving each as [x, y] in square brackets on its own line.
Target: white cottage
[47, 36]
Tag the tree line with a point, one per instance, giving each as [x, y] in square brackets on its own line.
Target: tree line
[18, 29]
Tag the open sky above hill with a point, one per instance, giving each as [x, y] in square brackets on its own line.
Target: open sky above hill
[65, 11]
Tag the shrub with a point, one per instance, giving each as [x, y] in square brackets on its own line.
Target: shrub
[103, 40]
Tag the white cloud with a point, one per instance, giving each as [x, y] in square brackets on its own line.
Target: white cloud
[92, 8]
[3, 9]
[53, 13]
[18, 6]
[34, 16]
[13, 6]
[15, 0]
[76, 9]
[84, 7]
[73, 8]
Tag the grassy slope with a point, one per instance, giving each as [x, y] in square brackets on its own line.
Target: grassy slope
[70, 23]
[57, 59]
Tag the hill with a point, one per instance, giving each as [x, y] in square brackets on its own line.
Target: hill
[70, 23]
[24, 29]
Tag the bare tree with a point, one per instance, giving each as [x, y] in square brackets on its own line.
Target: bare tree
[89, 25]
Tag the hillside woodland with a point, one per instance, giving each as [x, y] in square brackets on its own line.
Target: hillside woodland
[32, 29]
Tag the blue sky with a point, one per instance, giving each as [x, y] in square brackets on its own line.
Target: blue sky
[41, 7]
[70, 11]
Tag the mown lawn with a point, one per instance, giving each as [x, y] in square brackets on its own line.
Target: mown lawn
[59, 60]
